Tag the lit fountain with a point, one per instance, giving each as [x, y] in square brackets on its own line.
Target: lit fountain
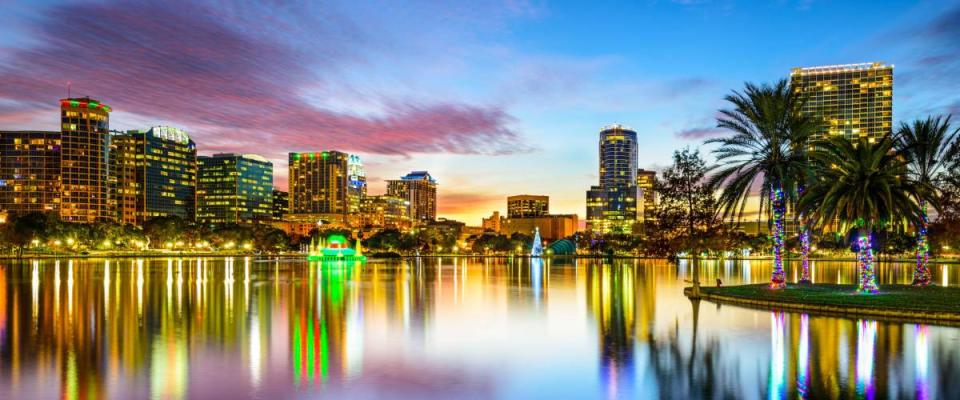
[334, 248]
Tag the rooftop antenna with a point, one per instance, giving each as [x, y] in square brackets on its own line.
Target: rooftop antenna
[68, 89]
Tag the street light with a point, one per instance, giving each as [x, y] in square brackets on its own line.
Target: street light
[247, 246]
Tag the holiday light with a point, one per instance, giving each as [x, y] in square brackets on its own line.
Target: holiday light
[921, 275]
[778, 280]
[868, 283]
[805, 254]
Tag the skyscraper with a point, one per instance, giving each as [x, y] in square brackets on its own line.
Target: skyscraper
[29, 171]
[525, 205]
[612, 205]
[420, 190]
[84, 160]
[156, 173]
[281, 204]
[852, 100]
[646, 180]
[234, 189]
[328, 182]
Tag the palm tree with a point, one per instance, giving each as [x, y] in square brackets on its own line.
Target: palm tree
[929, 147]
[768, 146]
[860, 185]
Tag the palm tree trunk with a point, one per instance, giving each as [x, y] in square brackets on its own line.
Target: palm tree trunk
[921, 275]
[868, 282]
[805, 253]
[778, 206]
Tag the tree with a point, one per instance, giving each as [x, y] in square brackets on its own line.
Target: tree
[929, 148]
[769, 146]
[686, 213]
[22, 230]
[861, 185]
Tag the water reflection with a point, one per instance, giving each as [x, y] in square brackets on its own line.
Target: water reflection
[441, 328]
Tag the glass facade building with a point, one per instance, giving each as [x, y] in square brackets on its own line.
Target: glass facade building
[524, 205]
[328, 182]
[84, 161]
[646, 181]
[281, 204]
[156, 174]
[234, 189]
[29, 172]
[419, 189]
[612, 205]
[852, 100]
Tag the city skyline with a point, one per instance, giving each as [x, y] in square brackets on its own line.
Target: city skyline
[517, 104]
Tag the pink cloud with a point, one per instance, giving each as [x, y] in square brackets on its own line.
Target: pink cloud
[235, 85]
[700, 133]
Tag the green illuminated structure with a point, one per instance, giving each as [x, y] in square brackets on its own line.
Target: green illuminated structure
[334, 248]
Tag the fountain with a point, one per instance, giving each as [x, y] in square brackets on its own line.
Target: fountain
[335, 248]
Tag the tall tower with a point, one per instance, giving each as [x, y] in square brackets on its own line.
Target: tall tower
[851, 100]
[420, 190]
[234, 189]
[156, 174]
[612, 206]
[84, 160]
[328, 182]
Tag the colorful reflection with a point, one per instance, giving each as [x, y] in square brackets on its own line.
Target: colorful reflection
[440, 328]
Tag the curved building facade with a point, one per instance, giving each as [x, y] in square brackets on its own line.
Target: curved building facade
[612, 205]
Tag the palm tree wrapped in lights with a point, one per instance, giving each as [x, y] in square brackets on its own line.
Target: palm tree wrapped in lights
[929, 148]
[862, 185]
[769, 147]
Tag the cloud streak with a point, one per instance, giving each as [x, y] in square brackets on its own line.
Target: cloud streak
[237, 89]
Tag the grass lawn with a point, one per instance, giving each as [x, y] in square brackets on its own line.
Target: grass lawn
[930, 299]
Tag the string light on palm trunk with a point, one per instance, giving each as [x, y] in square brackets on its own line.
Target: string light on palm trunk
[921, 276]
[778, 280]
[868, 281]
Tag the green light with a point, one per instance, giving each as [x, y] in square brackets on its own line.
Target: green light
[312, 156]
[74, 103]
[324, 155]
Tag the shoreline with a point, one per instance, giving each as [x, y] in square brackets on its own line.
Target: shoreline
[374, 257]
[894, 303]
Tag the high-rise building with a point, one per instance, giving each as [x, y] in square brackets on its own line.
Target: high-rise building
[384, 212]
[525, 205]
[851, 100]
[29, 172]
[612, 205]
[156, 174]
[234, 189]
[281, 204]
[420, 189]
[328, 182]
[84, 161]
[646, 181]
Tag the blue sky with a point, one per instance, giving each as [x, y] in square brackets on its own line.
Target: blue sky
[493, 98]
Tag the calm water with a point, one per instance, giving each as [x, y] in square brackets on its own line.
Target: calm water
[442, 328]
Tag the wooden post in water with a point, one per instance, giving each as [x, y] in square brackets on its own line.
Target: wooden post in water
[695, 264]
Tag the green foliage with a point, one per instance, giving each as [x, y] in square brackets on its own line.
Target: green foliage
[686, 214]
[768, 146]
[930, 149]
[859, 183]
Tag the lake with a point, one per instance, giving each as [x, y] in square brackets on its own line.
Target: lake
[223, 328]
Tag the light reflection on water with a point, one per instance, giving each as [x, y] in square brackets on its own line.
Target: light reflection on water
[442, 328]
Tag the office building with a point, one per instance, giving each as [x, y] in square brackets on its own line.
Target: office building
[385, 212]
[527, 206]
[156, 174]
[326, 183]
[552, 226]
[612, 205]
[84, 161]
[420, 190]
[281, 204]
[646, 183]
[29, 172]
[851, 100]
[234, 189]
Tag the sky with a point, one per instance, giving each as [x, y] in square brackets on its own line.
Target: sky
[493, 98]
